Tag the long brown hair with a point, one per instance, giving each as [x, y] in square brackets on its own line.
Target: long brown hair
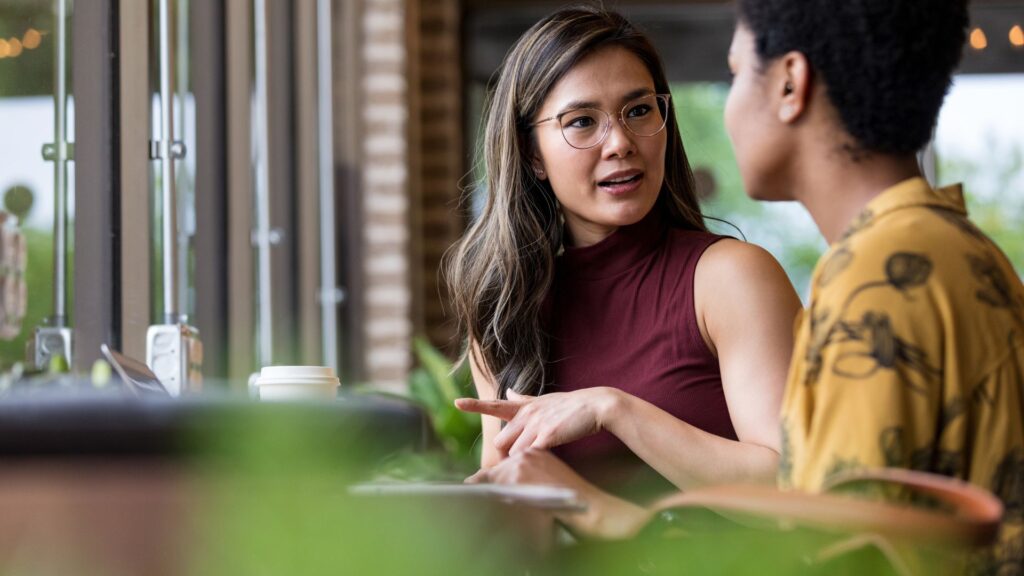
[501, 270]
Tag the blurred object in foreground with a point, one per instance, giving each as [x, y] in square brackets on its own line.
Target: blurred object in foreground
[946, 532]
[242, 488]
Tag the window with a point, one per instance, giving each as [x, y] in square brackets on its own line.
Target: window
[113, 188]
[36, 113]
[979, 141]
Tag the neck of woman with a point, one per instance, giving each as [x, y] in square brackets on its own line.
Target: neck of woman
[838, 186]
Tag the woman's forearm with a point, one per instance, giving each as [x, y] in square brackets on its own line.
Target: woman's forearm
[684, 454]
[607, 517]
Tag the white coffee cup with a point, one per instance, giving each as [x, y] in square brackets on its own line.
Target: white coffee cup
[297, 383]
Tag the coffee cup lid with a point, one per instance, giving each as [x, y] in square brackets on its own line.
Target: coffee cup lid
[297, 372]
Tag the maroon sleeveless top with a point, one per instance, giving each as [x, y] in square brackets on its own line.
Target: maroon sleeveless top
[621, 313]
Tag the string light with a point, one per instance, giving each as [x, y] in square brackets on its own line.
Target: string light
[15, 47]
[31, 39]
[1017, 36]
[978, 39]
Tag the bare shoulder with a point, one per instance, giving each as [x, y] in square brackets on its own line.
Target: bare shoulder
[737, 278]
[739, 288]
[732, 263]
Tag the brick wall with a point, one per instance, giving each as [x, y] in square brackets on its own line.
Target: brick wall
[387, 297]
[408, 153]
[440, 157]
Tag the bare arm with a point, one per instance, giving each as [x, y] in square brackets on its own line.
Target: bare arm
[746, 308]
[486, 389]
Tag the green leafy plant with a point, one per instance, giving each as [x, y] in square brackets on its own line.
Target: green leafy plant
[435, 385]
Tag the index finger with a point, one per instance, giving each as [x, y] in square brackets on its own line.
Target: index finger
[503, 409]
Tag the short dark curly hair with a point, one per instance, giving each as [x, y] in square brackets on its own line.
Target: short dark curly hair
[886, 64]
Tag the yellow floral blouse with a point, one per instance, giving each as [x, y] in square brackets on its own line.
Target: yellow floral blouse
[911, 355]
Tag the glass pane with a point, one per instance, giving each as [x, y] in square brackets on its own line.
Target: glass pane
[29, 37]
[980, 141]
[783, 228]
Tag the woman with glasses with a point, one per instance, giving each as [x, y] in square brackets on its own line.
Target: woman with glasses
[631, 351]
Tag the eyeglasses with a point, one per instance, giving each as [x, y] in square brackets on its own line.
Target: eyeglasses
[587, 127]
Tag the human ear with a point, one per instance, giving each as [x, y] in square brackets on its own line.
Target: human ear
[538, 167]
[794, 84]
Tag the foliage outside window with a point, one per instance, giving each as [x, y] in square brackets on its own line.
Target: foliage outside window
[783, 228]
[979, 142]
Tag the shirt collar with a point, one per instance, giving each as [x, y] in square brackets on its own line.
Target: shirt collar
[913, 192]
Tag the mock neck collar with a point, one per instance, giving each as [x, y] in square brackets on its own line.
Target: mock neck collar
[618, 252]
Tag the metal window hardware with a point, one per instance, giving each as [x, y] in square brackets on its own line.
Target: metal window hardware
[173, 349]
[175, 354]
[51, 149]
[157, 147]
[331, 296]
[275, 237]
[49, 342]
[264, 236]
[53, 338]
